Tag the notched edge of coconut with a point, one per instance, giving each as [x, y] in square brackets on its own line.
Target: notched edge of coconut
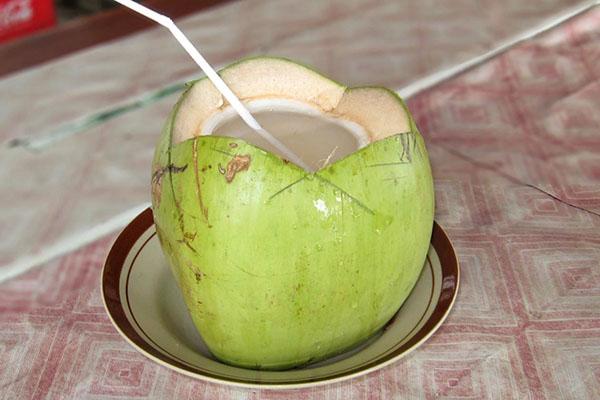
[253, 79]
[380, 111]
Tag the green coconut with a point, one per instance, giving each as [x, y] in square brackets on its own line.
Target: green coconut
[280, 266]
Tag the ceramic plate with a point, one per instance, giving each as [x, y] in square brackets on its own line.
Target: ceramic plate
[144, 304]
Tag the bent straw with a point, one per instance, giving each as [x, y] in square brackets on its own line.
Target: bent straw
[214, 78]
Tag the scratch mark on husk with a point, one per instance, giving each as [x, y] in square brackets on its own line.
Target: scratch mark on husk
[286, 188]
[197, 176]
[354, 199]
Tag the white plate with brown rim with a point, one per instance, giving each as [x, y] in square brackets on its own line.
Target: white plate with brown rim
[145, 305]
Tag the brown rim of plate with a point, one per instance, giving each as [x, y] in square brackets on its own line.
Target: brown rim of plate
[122, 246]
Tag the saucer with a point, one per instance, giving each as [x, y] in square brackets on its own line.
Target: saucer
[145, 305]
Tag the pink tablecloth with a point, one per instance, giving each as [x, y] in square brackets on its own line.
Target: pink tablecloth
[515, 147]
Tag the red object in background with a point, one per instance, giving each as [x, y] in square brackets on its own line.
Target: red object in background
[21, 17]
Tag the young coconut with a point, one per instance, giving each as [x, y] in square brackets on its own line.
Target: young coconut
[280, 266]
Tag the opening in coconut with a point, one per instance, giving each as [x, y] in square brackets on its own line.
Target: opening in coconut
[318, 119]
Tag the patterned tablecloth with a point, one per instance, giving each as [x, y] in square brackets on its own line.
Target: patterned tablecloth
[515, 147]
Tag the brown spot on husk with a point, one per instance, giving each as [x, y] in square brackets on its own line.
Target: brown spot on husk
[233, 145]
[237, 164]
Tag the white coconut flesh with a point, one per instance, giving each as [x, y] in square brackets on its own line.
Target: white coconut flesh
[316, 118]
[318, 139]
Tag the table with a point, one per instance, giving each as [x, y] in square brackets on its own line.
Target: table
[514, 142]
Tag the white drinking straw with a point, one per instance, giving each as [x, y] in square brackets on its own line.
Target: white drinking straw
[214, 78]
